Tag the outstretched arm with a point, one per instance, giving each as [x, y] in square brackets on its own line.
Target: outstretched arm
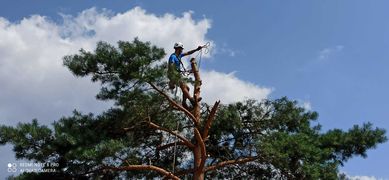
[192, 51]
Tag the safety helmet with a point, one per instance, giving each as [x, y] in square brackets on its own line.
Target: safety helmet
[178, 45]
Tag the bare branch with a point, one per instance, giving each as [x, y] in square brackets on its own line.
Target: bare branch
[165, 146]
[201, 143]
[175, 104]
[185, 141]
[125, 160]
[143, 168]
[211, 117]
[230, 162]
[184, 172]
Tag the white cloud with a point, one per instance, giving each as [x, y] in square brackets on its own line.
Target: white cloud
[35, 84]
[327, 52]
[363, 178]
[160, 30]
[226, 50]
[307, 105]
[228, 88]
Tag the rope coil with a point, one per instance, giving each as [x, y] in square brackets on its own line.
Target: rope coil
[206, 51]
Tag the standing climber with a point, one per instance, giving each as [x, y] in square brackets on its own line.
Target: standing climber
[174, 70]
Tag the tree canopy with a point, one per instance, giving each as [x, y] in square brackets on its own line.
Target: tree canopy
[148, 133]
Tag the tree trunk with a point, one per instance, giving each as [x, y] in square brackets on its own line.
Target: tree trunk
[197, 154]
[199, 173]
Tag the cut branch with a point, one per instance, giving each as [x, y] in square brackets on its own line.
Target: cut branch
[143, 168]
[175, 104]
[184, 140]
[211, 117]
[230, 162]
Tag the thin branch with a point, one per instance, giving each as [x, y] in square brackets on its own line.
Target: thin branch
[125, 160]
[185, 172]
[165, 146]
[211, 117]
[185, 141]
[143, 168]
[175, 104]
[213, 161]
[133, 85]
[230, 162]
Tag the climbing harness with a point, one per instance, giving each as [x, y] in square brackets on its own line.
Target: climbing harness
[184, 71]
[204, 50]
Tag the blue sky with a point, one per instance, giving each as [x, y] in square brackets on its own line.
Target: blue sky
[332, 55]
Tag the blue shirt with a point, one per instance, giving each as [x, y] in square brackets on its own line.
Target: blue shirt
[173, 59]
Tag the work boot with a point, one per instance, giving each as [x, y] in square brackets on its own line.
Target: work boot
[193, 101]
[184, 105]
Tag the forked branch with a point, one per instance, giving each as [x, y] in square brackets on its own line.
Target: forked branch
[184, 140]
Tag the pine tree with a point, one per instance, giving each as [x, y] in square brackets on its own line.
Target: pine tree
[149, 133]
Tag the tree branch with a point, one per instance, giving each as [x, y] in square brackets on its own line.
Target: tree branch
[185, 172]
[230, 162]
[175, 104]
[144, 168]
[165, 146]
[201, 143]
[184, 140]
[211, 117]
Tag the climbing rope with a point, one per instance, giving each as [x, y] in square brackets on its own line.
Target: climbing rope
[206, 51]
[175, 148]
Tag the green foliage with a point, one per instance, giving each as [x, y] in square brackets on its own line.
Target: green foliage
[31, 141]
[122, 71]
[288, 145]
[283, 136]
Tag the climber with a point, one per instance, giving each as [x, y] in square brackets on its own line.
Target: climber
[174, 70]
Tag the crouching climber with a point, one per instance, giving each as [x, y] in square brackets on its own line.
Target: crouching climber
[175, 72]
